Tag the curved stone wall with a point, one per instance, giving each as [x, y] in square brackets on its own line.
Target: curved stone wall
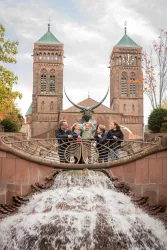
[146, 176]
[17, 175]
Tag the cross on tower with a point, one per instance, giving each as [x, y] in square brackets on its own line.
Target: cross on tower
[49, 20]
[125, 26]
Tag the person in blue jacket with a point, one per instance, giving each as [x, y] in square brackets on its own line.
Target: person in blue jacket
[64, 135]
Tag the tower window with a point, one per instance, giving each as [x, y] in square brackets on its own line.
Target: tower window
[56, 57]
[48, 56]
[44, 56]
[132, 84]
[42, 106]
[51, 106]
[133, 107]
[52, 81]
[40, 56]
[52, 57]
[124, 107]
[43, 80]
[124, 83]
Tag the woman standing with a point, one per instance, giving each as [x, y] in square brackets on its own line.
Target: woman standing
[115, 135]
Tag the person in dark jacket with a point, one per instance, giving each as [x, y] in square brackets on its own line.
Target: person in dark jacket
[101, 137]
[64, 135]
[115, 135]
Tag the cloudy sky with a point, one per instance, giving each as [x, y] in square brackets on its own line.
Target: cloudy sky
[88, 29]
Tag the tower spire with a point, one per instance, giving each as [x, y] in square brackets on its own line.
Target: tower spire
[49, 24]
[125, 26]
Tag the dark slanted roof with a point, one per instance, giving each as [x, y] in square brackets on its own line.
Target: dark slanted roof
[88, 103]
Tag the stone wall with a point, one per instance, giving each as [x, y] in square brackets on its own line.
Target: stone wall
[17, 175]
[147, 177]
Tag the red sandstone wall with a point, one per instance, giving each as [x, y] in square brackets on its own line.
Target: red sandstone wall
[147, 177]
[17, 175]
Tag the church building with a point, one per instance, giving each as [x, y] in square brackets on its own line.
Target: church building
[126, 89]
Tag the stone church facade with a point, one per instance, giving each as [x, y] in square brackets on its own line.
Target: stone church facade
[126, 88]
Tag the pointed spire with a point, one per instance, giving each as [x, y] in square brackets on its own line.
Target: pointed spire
[125, 26]
[49, 24]
[48, 27]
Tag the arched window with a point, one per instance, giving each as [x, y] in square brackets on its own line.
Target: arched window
[56, 57]
[133, 107]
[52, 81]
[51, 106]
[52, 57]
[120, 60]
[48, 57]
[124, 83]
[124, 107]
[44, 56]
[40, 56]
[132, 84]
[42, 106]
[43, 80]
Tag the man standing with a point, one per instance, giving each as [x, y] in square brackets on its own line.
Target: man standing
[64, 134]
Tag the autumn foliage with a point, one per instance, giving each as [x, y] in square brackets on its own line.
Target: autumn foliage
[155, 74]
[8, 96]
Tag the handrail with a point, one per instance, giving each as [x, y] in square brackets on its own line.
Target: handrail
[72, 151]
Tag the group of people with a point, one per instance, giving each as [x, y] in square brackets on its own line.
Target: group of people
[88, 131]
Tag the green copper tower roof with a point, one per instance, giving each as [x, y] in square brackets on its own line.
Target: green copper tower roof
[48, 38]
[126, 41]
[29, 111]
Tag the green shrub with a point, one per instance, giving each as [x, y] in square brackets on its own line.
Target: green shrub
[11, 125]
[164, 126]
[156, 119]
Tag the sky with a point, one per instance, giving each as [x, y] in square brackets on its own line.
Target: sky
[88, 29]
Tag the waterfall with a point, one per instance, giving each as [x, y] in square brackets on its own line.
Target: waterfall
[82, 211]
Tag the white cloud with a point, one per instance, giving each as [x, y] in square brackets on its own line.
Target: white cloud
[88, 38]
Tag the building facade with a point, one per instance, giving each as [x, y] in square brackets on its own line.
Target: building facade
[126, 84]
[47, 83]
[126, 88]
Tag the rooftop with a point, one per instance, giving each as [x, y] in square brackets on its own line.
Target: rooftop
[48, 38]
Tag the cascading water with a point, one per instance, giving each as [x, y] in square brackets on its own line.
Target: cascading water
[82, 211]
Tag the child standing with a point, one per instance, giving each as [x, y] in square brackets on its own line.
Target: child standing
[88, 130]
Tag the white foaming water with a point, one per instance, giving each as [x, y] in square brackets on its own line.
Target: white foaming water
[82, 211]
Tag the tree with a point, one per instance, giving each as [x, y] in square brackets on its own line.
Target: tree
[8, 80]
[156, 119]
[155, 75]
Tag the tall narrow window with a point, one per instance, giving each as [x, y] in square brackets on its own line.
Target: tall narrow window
[56, 57]
[124, 83]
[124, 107]
[48, 57]
[52, 57]
[44, 56]
[132, 84]
[43, 80]
[42, 106]
[133, 107]
[40, 56]
[52, 81]
[51, 106]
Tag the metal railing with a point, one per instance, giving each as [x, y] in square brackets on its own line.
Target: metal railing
[77, 151]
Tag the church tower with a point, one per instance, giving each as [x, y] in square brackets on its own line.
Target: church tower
[47, 83]
[126, 84]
